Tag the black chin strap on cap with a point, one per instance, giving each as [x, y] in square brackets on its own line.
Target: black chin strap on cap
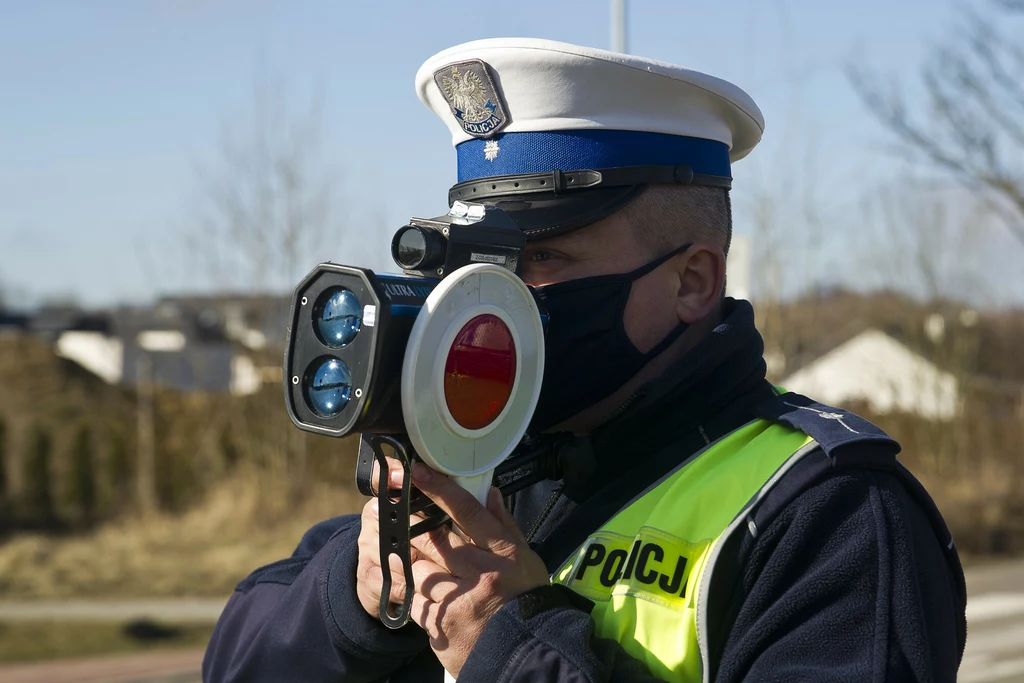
[560, 182]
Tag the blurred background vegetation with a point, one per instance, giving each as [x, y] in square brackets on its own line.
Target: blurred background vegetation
[235, 484]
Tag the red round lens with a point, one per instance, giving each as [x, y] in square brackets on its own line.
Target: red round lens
[480, 371]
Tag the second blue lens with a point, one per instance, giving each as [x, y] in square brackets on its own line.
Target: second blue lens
[328, 387]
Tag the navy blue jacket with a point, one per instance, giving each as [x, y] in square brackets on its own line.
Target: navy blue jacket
[848, 579]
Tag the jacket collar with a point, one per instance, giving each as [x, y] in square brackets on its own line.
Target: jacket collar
[719, 371]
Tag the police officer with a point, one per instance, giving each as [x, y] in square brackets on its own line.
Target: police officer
[722, 529]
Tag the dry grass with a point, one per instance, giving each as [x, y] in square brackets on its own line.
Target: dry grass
[243, 523]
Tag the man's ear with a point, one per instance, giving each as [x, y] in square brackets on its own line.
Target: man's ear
[701, 270]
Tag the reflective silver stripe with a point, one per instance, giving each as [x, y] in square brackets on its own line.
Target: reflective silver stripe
[709, 565]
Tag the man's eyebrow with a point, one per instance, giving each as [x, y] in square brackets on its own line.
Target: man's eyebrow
[570, 240]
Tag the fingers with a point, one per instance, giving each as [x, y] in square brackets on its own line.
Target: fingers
[426, 613]
[369, 535]
[430, 582]
[466, 511]
[444, 548]
[398, 583]
[435, 590]
[433, 581]
[367, 543]
[368, 517]
[496, 506]
[375, 585]
[395, 474]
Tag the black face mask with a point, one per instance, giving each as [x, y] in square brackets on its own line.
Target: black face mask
[588, 355]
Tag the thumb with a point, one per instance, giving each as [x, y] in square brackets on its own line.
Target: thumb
[496, 506]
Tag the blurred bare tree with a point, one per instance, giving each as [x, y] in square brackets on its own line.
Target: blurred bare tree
[972, 125]
[265, 208]
[81, 480]
[38, 490]
[923, 241]
[790, 220]
[3, 465]
[264, 219]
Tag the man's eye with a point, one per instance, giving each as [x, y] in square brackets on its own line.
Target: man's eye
[541, 256]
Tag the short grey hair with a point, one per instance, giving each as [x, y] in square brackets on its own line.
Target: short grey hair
[665, 217]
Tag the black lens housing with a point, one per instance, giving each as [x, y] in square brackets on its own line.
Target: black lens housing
[389, 305]
[417, 247]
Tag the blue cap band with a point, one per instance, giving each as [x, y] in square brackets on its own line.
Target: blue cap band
[576, 150]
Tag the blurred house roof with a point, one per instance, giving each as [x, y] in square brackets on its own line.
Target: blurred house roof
[254, 321]
[955, 338]
[49, 322]
[195, 343]
[101, 355]
[874, 368]
[15, 322]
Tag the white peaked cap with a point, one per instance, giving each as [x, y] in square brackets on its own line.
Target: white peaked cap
[560, 136]
[550, 86]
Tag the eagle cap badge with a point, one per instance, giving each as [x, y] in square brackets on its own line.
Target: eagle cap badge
[473, 98]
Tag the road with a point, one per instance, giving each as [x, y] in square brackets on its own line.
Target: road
[183, 610]
[148, 667]
[995, 642]
[995, 625]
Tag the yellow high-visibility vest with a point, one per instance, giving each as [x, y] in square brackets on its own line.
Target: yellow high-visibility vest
[649, 568]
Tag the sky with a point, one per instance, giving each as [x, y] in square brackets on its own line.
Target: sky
[110, 111]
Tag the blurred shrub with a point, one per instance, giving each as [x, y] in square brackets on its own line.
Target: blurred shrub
[81, 482]
[119, 471]
[3, 462]
[37, 497]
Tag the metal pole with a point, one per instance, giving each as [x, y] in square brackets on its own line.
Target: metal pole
[619, 26]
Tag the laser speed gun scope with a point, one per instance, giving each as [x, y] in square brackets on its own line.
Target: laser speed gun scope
[442, 363]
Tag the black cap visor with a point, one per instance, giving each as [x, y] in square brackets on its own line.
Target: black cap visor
[544, 215]
[548, 204]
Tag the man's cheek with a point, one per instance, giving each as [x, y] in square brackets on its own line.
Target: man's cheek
[539, 274]
[649, 316]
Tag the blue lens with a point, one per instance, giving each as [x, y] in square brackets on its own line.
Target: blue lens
[328, 388]
[337, 315]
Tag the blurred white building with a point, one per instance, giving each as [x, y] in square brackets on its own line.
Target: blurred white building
[880, 371]
[199, 343]
[99, 354]
[737, 268]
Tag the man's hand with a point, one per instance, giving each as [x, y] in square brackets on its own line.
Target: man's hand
[462, 581]
[369, 577]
